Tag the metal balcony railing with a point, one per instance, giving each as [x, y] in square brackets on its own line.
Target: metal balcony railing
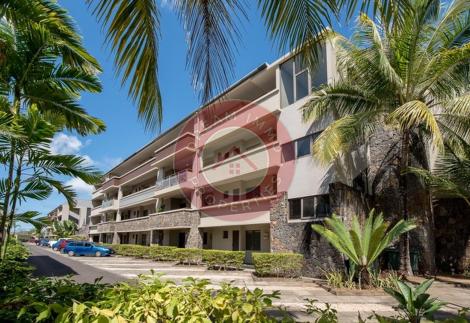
[172, 180]
[107, 203]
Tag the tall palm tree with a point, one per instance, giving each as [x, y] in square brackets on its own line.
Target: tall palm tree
[35, 168]
[132, 31]
[409, 78]
[43, 66]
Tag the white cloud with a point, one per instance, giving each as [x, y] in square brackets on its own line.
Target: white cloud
[88, 161]
[80, 187]
[64, 144]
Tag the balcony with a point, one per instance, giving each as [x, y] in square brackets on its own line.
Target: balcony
[96, 211]
[173, 183]
[137, 198]
[109, 205]
[181, 146]
[247, 165]
[263, 107]
[98, 194]
[110, 184]
[138, 172]
[105, 227]
[174, 219]
[93, 229]
[135, 224]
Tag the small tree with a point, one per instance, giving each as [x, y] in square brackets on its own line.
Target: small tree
[362, 243]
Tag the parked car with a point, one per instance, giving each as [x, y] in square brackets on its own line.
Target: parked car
[51, 243]
[85, 248]
[60, 244]
[43, 242]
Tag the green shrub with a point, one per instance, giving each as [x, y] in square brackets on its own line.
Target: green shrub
[278, 264]
[154, 300]
[16, 251]
[188, 256]
[162, 253]
[223, 259]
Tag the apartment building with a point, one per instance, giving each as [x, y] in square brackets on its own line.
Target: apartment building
[236, 174]
[80, 214]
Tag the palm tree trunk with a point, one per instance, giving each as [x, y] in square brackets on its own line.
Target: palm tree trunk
[14, 200]
[6, 200]
[405, 259]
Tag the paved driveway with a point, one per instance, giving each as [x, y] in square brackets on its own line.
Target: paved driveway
[293, 292]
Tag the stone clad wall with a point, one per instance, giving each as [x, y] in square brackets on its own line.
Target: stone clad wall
[299, 236]
[178, 219]
[452, 223]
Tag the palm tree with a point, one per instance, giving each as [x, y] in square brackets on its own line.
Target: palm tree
[362, 243]
[46, 69]
[408, 78]
[64, 229]
[35, 167]
[132, 32]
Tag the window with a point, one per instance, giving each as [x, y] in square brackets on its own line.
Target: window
[304, 144]
[225, 235]
[309, 207]
[295, 209]
[236, 194]
[204, 238]
[145, 213]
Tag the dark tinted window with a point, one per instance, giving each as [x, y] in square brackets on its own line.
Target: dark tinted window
[308, 207]
[323, 206]
[295, 209]
[303, 146]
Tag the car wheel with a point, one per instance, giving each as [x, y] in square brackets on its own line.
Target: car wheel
[55, 249]
[98, 254]
[71, 253]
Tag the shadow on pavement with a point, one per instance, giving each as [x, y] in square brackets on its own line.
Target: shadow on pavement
[49, 267]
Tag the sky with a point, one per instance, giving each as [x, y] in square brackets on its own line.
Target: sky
[125, 133]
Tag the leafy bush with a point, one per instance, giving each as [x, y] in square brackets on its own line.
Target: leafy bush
[16, 251]
[154, 300]
[413, 302]
[223, 259]
[188, 256]
[215, 259]
[278, 264]
[162, 253]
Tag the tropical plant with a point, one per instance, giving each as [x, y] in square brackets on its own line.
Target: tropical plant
[64, 229]
[407, 76]
[36, 168]
[414, 302]
[362, 243]
[41, 81]
[133, 32]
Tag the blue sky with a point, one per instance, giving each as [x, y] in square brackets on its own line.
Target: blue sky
[125, 133]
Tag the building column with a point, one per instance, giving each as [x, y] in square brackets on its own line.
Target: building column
[100, 238]
[116, 239]
[151, 237]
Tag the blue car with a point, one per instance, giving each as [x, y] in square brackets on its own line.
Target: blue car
[85, 248]
[43, 242]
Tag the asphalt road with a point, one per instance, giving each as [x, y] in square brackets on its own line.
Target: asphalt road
[49, 263]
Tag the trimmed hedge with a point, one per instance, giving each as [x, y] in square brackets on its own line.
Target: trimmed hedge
[215, 259]
[278, 264]
[223, 259]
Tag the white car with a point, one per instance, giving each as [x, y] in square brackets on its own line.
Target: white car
[51, 242]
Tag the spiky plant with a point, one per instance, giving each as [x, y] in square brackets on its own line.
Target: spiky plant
[362, 243]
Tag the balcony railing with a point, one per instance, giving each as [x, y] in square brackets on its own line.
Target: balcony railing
[172, 180]
[107, 203]
[137, 197]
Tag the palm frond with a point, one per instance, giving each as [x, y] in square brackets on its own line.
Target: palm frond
[133, 33]
[213, 34]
